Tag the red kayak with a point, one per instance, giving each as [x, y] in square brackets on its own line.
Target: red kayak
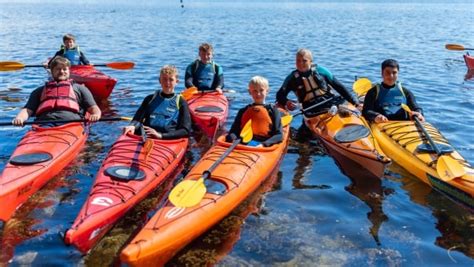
[99, 84]
[209, 111]
[131, 170]
[469, 61]
[40, 155]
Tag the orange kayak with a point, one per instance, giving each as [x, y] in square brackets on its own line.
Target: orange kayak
[99, 84]
[128, 174]
[208, 111]
[40, 155]
[349, 136]
[172, 228]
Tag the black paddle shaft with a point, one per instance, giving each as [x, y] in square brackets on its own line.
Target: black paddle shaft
[432, 143]
[207, 173]
[59, 121]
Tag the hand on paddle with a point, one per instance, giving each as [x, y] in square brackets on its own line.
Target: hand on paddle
[290, 105]
[150, 132]
[417, 114]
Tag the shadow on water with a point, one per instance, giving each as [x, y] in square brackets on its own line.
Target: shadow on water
[454, 222]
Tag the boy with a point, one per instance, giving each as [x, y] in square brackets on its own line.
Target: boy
[204, 73]
[71, 51]
[59, 99]
[164, 114]
[383, 101]
[311, 85]
[266, 119]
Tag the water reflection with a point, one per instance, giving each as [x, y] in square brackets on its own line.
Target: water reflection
[454, 223]
[216, 243]
[469, 75]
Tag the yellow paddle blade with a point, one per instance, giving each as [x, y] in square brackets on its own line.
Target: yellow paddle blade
[406, 108]
[285, 120]
[126, 118]
[189, 92]
[457, 47]
[247, 133]
[188, 193]
[11, 65]
[449, 168]
[362, 86]
[121, 65]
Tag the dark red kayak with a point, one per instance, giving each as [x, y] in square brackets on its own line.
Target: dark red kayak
[99, 84]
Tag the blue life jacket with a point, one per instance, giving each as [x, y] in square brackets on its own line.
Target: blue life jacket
[164, 112]
[390, 101]
[74, 55]
[204, 75]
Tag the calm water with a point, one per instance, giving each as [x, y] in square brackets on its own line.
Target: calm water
[312, 212]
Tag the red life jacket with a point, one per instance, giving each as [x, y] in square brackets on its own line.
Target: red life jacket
[58, 96]
[261, 120]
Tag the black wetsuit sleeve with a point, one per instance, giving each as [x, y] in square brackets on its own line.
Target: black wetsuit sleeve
[287, 87]
[342, 90]
[411, 101]
[277, 129]
[188, 76]
[369, 111]
[218, 78]
[183, 129]
[235, 128]
[141, 112]
[83, 59]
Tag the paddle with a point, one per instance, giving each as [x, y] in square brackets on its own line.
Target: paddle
[446, 167]
[147, 143]
[67, 121]
[303, 110]
[14, 65]
[190, 192]
[457, 47]
[362, 86]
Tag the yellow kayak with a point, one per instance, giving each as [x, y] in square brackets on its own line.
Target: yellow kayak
[405, 144]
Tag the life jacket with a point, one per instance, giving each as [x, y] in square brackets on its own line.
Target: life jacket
[261, 120]
[390, 101]
[74, 55]
[204, 74]
[164, 112]
[58, 96]
[311, 89]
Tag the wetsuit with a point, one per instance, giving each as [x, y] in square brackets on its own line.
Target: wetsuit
[373, 103]
[206, 77]
[267, 131]
[182, 128]
[312, 87]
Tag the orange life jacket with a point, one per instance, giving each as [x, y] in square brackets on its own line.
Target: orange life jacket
[58, 96]
[261, 120]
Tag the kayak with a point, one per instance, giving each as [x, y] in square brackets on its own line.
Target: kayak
[401, 140]
[208, 111]
[469, 61]
[128, 174]
[348, 136]
[40, 155]
[172, 228]
[99, 84]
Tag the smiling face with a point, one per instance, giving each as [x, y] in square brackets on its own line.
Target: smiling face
[60, 72]
[303, 62]
[168, 82]
[258, 92]
[69, 43]
[390, 75]
[205, 56]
